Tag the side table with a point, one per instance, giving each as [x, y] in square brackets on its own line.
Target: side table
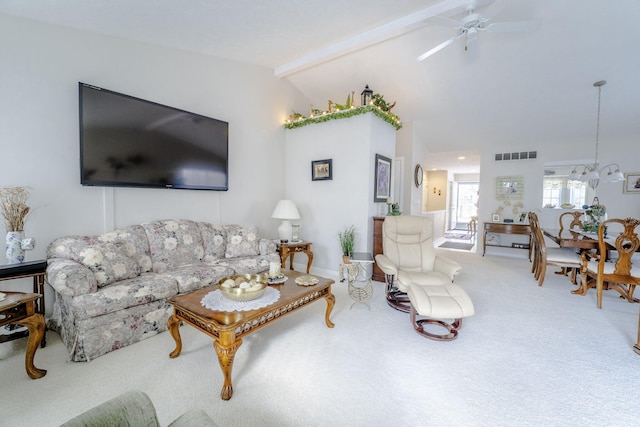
[19, 307]
[37, 270]
[289, 250]
[358, 279]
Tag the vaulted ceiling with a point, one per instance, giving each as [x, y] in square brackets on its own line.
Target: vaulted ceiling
[521, 89]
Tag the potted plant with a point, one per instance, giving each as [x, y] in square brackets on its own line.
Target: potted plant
[347, 239]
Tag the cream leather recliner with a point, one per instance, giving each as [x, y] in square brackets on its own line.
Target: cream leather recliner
[419, 281]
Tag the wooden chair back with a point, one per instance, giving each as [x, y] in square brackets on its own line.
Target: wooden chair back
[573, 216]
[620, 238]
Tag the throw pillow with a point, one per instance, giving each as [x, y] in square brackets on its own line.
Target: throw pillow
[241, 241]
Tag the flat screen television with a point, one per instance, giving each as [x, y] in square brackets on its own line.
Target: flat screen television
[130, 142]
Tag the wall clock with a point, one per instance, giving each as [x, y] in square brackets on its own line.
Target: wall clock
[417, 175]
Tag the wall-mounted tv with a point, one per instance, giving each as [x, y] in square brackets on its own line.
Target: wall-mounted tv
[130, 142]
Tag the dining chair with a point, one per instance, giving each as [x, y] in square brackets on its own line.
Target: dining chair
[574, 217]
[612, 268]
[546, 257]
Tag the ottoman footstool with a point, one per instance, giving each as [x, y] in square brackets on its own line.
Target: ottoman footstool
[434, 303]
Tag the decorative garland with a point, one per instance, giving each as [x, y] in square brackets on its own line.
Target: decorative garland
[378, 106]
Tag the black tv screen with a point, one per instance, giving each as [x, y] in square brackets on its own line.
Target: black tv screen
[130, 142]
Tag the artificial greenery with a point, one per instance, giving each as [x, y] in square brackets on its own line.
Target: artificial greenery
[378, 106]
[388, 117]
[347, 239]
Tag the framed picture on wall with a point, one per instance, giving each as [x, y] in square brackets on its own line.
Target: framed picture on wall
[382, 179]
[321, 170]
[632, 182]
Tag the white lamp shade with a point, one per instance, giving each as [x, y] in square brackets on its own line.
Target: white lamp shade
[593, 175]
[285, 209]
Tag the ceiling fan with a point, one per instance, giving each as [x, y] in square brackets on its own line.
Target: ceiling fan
[475, 22]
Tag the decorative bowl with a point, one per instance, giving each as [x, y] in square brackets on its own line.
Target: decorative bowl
[245, 287]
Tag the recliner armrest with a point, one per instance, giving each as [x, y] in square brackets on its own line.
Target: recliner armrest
[386, 265]
[446, 266]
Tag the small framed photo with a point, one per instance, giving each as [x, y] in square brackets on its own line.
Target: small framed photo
[522, 218]
[321, 170]
[632, 183]
[495, 217]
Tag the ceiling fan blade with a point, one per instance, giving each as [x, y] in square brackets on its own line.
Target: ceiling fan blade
[445, 22]
[512, 26]
[437, 48]
[493, 9]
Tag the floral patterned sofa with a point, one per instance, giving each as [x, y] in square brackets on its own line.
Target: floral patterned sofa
[111, 290]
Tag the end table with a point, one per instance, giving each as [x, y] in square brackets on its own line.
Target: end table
[289, 249]
[37, 270]
[358, 278]
[19, 308]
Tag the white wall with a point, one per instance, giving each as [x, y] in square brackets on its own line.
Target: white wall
[41, 68]
[624, 152]
[39, 75]
[327, 207]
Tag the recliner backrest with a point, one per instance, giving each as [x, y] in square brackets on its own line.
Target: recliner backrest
[408, 242]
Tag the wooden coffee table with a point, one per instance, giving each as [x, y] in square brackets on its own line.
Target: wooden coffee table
[228, 328]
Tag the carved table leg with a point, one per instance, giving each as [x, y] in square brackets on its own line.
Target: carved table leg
[35, 324]
[331, 300]
[226, 348]
[291, 255]
[309, 260]
[173, 324]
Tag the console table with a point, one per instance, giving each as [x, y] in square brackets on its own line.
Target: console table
[506, 228]
[289, 249]
[37, 270]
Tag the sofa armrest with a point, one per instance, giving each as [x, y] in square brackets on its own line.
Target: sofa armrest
[446, 266]
[267, 246]
[386, 265]
[70, 278]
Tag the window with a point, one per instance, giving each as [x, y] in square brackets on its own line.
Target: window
[557, 189]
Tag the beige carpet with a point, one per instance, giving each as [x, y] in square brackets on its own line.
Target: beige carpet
[531, 356]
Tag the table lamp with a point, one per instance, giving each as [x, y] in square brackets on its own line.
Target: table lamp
[285, 210]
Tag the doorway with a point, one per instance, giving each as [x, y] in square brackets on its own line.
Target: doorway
[466, 204]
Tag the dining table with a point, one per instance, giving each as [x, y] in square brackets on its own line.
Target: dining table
[572, 238]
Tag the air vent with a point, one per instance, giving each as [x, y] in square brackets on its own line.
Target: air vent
[520, 155]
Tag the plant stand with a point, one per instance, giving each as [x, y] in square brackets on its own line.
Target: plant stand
[358, 280]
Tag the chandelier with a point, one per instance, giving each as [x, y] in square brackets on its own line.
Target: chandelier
[591, 173]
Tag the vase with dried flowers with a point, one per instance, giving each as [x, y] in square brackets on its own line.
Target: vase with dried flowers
[14, 209]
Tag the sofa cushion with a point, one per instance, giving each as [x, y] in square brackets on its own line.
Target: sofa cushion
[214, 239]
[241, 241]
[173, 243]
[134, 241]
[108, 261]
[196, 276]
[147, 287]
